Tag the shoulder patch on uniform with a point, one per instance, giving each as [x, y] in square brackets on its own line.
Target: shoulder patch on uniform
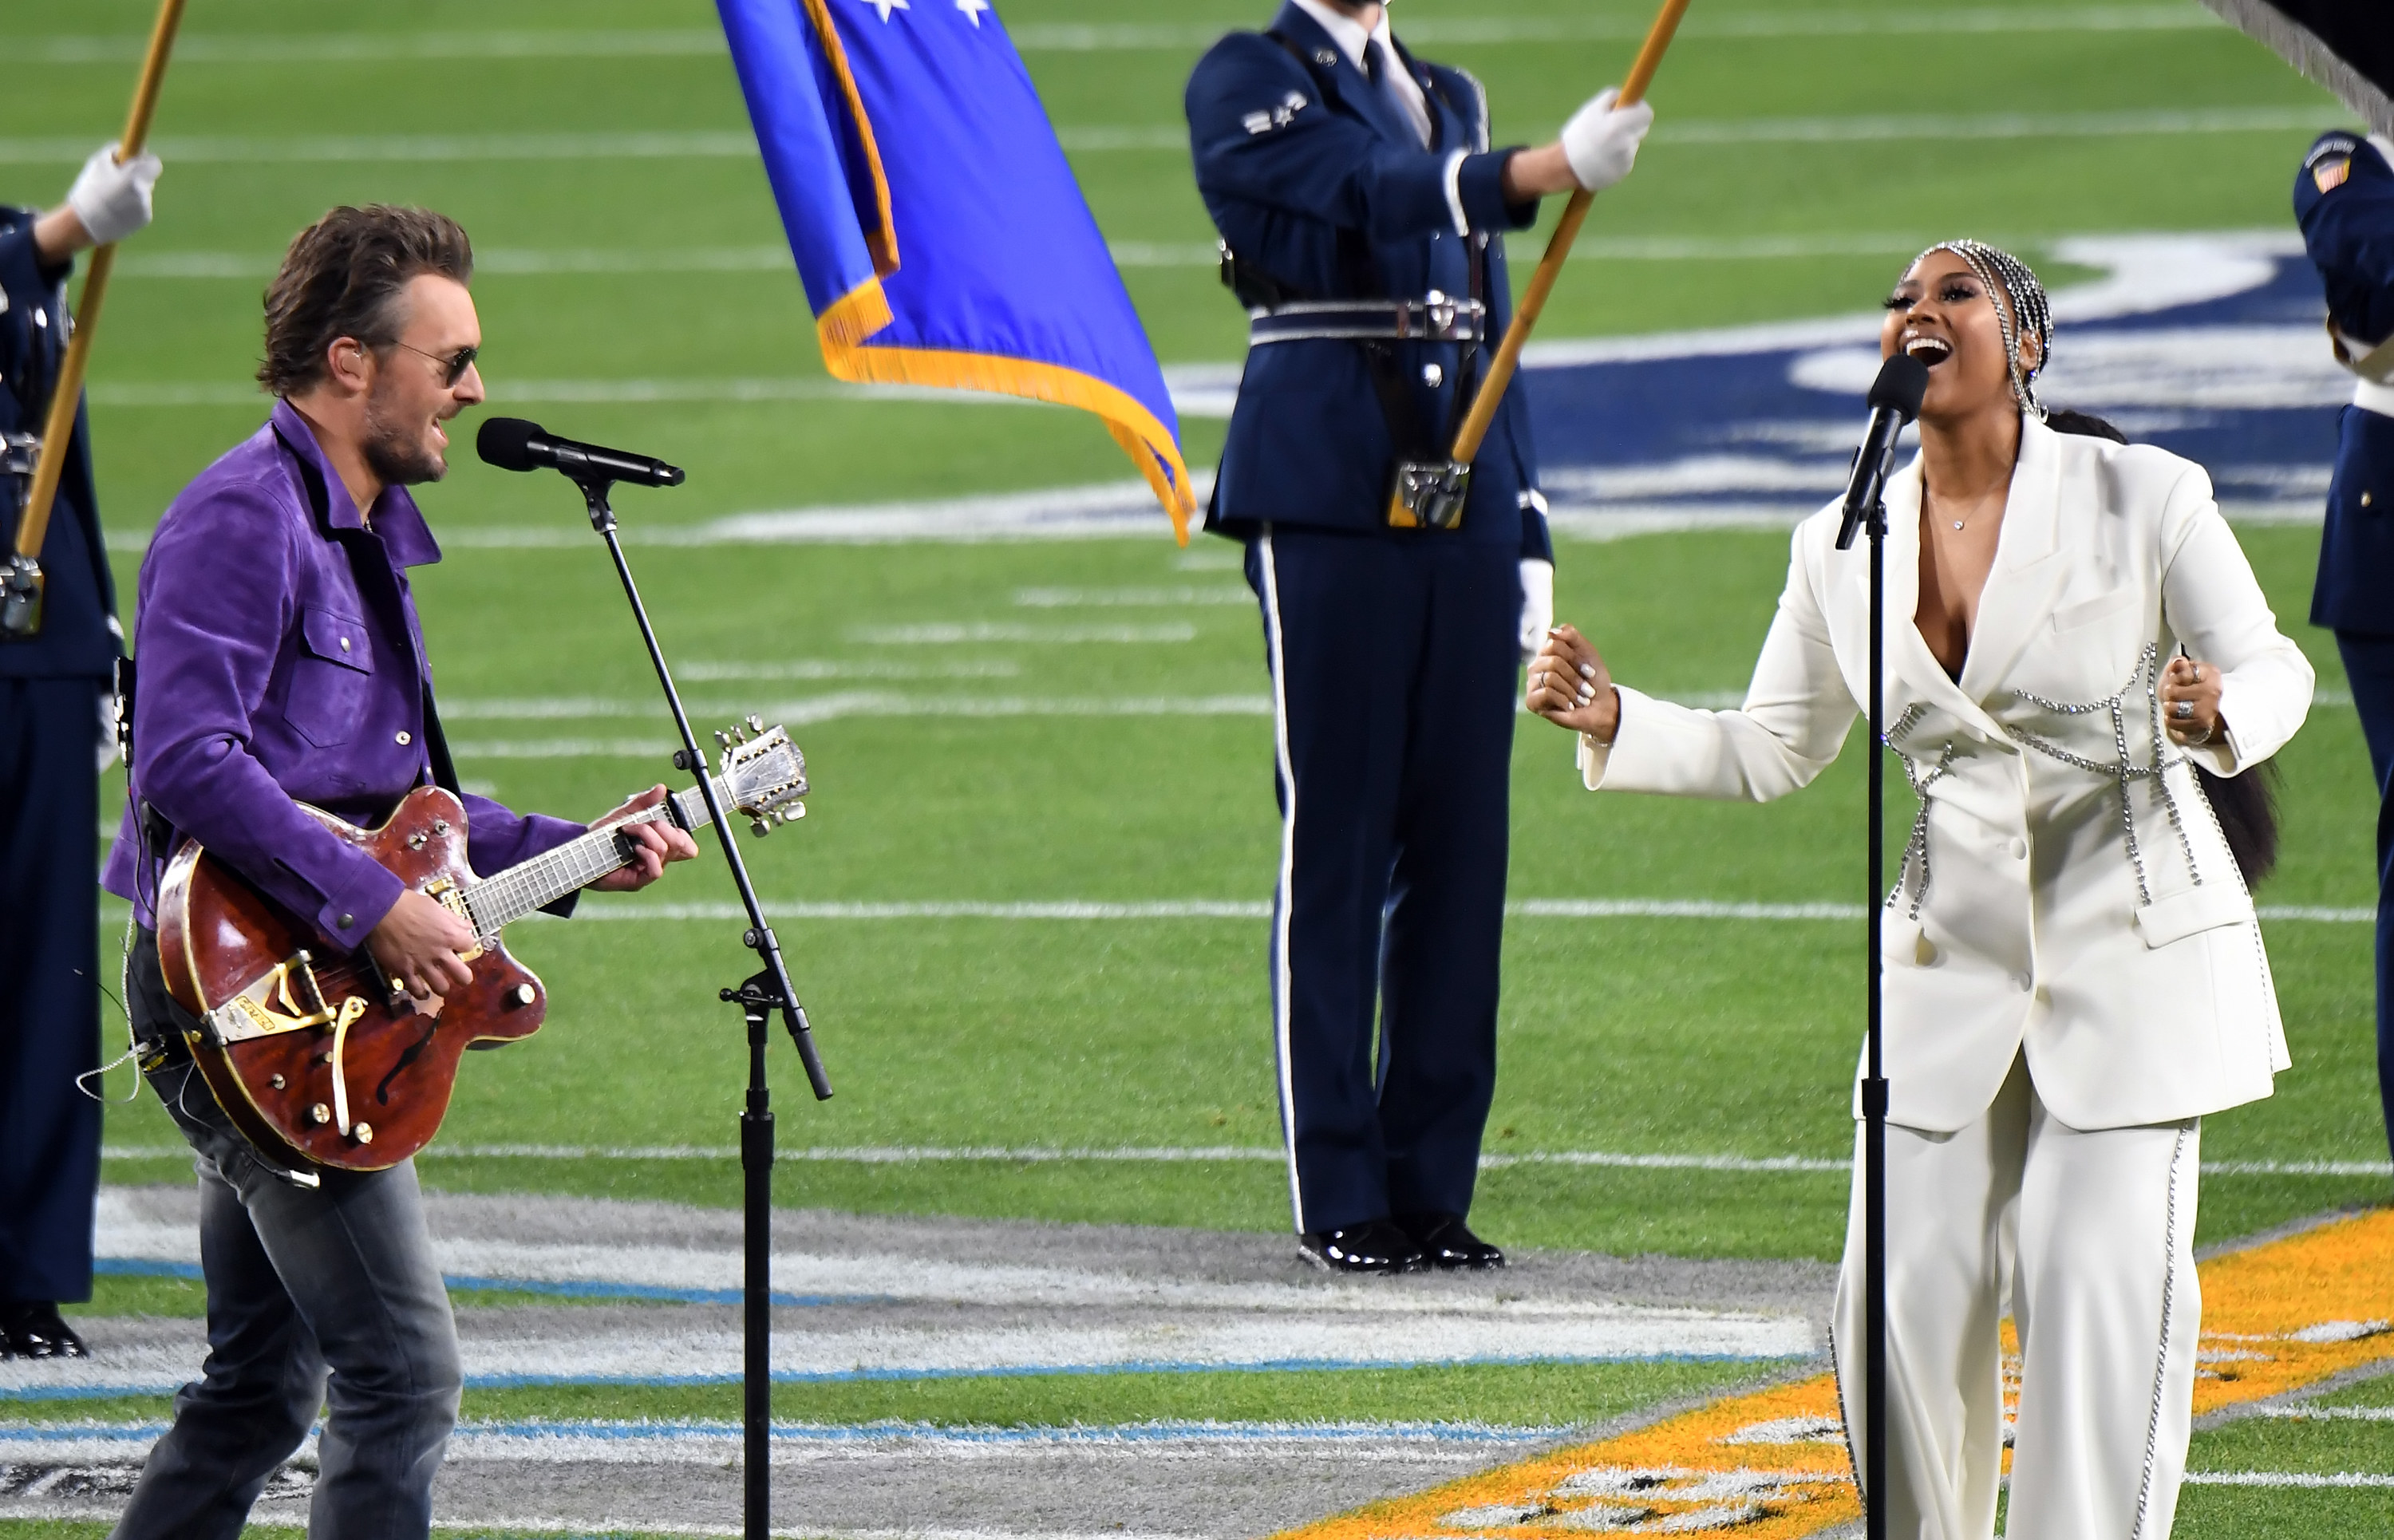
[2329, 174]
[1277, 117]
[2328, 145]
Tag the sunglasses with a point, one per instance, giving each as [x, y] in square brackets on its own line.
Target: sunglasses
[453, 368]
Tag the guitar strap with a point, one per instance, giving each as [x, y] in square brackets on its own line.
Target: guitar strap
[436, 748]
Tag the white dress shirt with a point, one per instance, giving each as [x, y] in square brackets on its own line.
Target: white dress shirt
[1351, 38]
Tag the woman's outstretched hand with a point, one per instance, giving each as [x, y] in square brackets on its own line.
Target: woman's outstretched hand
[1570, 687]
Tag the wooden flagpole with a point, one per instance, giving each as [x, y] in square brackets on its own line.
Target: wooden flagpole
[58, 431]
[1474, 431]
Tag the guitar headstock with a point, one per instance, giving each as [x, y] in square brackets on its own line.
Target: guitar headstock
[764, 775]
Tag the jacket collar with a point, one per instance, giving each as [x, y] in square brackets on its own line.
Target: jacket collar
[397, 521]
[1368, 101]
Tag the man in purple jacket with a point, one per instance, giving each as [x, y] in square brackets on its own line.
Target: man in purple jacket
[281, 662]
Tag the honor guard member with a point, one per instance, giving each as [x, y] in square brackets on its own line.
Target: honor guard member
[56, 695]
[1361, 213]
[2344, 200]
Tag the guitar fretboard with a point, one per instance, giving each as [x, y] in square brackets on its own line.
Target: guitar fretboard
[500, 900]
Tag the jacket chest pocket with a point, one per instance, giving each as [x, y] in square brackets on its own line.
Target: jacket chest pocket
[2089, 648]
[333, 680]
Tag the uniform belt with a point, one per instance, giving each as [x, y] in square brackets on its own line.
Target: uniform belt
[1437, 318]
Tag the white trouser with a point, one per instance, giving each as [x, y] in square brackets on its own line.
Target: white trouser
[2087, 1240]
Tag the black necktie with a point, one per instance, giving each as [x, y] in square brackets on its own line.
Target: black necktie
[1372, 70]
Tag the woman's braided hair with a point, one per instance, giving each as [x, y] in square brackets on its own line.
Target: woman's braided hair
[2028, 311]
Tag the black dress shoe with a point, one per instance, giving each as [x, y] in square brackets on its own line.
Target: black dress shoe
[1375, 1245]
[1447, 1243]
[34, 1330]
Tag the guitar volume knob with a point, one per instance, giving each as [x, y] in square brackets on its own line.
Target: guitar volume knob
[524, 994]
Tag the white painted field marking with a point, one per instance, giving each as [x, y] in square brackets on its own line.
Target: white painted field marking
[667, 1440]
[1185, 595]
[619, 393]
[1037, 1155]
[952, 633]
[831, 668]
[2342, 1479]
[1036, 37]
[1173, 138]
[631, 910]
[855, 703]
[251, 267]
[123, 1233]
[2329, 1413]
[660, 1352]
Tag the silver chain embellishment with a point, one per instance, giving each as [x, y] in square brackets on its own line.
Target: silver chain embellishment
[1915, 850]
[2147, 677]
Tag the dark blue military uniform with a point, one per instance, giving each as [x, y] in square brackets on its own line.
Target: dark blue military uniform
[50, 689]
[2344, 200]
[1394, 653]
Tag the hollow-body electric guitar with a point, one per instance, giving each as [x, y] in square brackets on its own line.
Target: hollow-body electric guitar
[324, 1061]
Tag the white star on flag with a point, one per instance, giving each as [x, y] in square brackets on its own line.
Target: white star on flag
[886, 6]
[973, 10]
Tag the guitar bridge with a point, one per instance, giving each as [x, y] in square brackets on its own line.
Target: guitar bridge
[267, 1006]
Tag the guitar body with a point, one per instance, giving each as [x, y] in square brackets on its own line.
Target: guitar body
[310, 1055]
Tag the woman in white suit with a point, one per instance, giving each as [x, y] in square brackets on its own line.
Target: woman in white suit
[2074, 975]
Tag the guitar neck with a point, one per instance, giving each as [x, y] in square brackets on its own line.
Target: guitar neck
[508, 896]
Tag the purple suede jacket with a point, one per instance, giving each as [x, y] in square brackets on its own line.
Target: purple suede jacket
[280, 662]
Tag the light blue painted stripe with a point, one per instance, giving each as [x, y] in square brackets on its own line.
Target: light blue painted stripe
[870, 1432]
[852, 1377]
[123, 1267]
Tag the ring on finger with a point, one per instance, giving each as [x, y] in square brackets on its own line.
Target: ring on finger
[2182, 709]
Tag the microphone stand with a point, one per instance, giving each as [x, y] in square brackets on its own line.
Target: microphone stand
[1873, 1087]
[758, 997]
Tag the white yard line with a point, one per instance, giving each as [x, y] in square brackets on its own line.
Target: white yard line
[511, 43]
[655, 1443]
[251, 267]
[660, 1351]
[1043, 1155]
[2342, 1479]
[1237, 596]
[1161, 138]
[617, 392]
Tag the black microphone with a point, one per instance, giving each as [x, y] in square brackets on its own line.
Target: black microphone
[512, 443]
[1894, 401]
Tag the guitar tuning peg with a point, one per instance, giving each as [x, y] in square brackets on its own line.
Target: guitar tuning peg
[756, 723]
[761, 827]
[722, 740]
[739, 733]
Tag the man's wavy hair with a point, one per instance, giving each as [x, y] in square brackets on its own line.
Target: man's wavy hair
[343, 277]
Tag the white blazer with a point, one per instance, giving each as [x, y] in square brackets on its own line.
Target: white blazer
[2133, 976]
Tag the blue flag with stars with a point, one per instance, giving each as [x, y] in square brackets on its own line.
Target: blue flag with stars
[937, 228]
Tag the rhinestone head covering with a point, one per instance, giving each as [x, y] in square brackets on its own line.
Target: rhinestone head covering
[2027, 311]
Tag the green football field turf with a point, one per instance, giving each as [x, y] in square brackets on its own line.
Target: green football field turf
[607, 276]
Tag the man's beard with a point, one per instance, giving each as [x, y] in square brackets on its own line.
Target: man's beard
[397, 457]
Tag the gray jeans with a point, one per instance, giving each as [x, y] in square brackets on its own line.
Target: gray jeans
[337, 1282]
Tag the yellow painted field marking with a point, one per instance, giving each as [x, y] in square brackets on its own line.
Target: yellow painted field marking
[1771, 1464]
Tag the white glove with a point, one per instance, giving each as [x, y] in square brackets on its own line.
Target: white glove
[1601, 140]
[113, 201]
[1537, 605]
[106, 750]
